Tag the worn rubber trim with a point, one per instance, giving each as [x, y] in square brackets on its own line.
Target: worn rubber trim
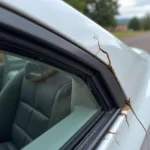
[34, 33]
[76, 139]
[98, 132]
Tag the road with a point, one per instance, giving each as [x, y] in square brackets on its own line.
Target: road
[142, 42]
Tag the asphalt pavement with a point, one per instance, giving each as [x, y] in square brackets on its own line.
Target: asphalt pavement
[141, 42]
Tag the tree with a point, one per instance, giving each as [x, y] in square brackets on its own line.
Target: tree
[80, 5]
[142, 24]
[104, 12]
[146, 22]
[101, 11]
[135, 24]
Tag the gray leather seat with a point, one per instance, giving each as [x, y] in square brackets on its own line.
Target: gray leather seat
[32, 103]
[7, 146]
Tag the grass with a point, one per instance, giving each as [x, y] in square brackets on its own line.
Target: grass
[124, 35]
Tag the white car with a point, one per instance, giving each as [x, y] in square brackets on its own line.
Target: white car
[79, 87]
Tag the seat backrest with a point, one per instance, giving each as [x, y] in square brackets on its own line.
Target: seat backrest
[45, 99]
[9, 98]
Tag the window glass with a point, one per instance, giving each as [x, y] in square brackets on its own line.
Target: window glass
[13, 58]
[9, 67]
[42, 107]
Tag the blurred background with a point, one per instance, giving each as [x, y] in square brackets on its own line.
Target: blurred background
[129, 20]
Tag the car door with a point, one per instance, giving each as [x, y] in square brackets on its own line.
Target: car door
[110, 129]
[75, 64]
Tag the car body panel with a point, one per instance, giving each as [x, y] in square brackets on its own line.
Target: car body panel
[131, 65]
[132, 137]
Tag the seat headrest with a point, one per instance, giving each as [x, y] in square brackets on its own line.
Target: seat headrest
[37, 72]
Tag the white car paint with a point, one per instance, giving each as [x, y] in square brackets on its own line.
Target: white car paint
[132, 66]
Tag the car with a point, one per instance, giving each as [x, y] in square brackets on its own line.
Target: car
[76, 85]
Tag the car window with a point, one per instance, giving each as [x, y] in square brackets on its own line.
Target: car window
[47, 106]
[13, 58]
[9, 67]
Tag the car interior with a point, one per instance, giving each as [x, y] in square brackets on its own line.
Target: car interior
[34, 97]
[9, 67]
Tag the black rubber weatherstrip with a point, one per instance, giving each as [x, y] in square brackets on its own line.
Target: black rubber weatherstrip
[98, 132]
[81, 133]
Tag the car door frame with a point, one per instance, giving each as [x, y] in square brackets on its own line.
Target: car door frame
[31, 39]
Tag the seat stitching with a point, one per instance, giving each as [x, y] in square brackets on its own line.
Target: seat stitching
[8, 145]
[34, 109]
[23, 130]
[29, 122]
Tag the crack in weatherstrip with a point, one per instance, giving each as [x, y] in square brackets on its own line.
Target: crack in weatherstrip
[128, 103]
[103, 51]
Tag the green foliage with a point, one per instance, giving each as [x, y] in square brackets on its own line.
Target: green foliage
[135, 24]
[80, 5]
[101, 11]
[146, 22]
[142, 24]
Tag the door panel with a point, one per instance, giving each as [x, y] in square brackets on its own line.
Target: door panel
[146, 141]
[124, 137]
[134, 136]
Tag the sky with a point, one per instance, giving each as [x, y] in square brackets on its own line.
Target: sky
[131, 8]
